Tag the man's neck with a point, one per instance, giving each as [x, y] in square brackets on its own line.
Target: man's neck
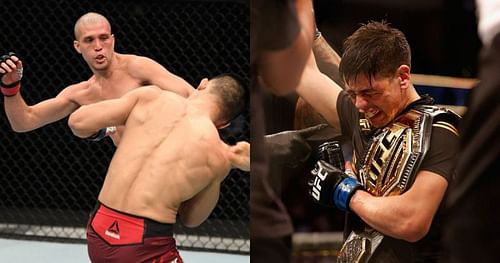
[203, 107]
[412, 97]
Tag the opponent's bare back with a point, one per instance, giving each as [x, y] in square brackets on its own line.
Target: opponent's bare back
[179, 156]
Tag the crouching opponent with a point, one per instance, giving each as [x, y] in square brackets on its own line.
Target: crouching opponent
[170, 162]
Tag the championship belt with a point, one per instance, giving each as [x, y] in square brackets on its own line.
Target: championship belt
[389, 167]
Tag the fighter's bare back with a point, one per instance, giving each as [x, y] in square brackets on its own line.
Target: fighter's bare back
[152, 176]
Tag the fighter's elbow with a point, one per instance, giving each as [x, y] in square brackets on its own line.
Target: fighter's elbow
[414, 230]
[19, 128]
[77, 125]
[189, 222]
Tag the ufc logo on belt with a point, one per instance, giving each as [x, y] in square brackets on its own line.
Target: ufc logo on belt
[320, 177]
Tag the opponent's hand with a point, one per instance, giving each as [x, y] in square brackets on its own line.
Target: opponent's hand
[11, 72]
[239, 155]
[291, 147]
[331, 187]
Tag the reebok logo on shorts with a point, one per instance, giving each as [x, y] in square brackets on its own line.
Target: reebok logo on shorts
[113, 230]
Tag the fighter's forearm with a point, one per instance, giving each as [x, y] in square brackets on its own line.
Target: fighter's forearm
[175, 84]
[18, 114]
[25, 118]
[181, 87]
[407, 216]
[81, 125]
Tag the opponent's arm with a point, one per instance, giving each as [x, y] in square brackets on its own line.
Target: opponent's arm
[25, 118]
[196, 210]
[88, 120]
[155, 74]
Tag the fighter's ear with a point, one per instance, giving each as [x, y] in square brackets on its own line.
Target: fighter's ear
[404, 75]
[203, 84]
[76, 45]
[113, 38]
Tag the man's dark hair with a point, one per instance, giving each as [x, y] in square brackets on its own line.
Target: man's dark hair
[375, 49]
[232, 94]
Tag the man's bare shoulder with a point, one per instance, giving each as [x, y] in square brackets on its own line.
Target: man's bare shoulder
[135, 62]
[72, 91]
[139, 66]
[206, 129]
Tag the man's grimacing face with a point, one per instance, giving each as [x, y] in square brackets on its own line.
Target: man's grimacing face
[380, 100]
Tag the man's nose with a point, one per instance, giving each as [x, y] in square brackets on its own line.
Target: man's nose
[361, 103]
[98, 45]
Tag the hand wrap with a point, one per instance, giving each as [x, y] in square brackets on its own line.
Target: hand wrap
[10, 89]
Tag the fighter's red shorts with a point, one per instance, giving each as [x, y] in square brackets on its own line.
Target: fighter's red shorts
[114, 236]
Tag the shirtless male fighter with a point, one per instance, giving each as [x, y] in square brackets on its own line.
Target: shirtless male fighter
[114, 75]
[170, 161]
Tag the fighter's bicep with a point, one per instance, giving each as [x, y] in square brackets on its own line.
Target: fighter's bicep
[425, 195]
[321, 93]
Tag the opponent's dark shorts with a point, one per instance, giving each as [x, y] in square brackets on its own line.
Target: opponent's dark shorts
[114, 236]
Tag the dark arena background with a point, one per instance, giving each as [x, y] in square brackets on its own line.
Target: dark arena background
[50, 179]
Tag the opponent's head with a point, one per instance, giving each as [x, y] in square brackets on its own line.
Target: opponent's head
[375, 66]
[230, 94]
[94, 40]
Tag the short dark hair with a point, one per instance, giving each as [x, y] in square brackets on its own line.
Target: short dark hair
[232, 93]
[375, 49]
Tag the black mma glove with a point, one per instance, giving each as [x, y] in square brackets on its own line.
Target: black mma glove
[331, 187]
[10, 82]
[291, 147]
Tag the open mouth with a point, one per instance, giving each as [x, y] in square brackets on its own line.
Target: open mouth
[100, 58]
[371, 113]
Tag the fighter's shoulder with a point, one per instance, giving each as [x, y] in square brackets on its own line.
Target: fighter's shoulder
[442, 117]
[74, 89]
[141, 67]
[135, 62]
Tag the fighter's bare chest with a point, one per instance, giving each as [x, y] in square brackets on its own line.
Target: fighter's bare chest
[105, 90]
